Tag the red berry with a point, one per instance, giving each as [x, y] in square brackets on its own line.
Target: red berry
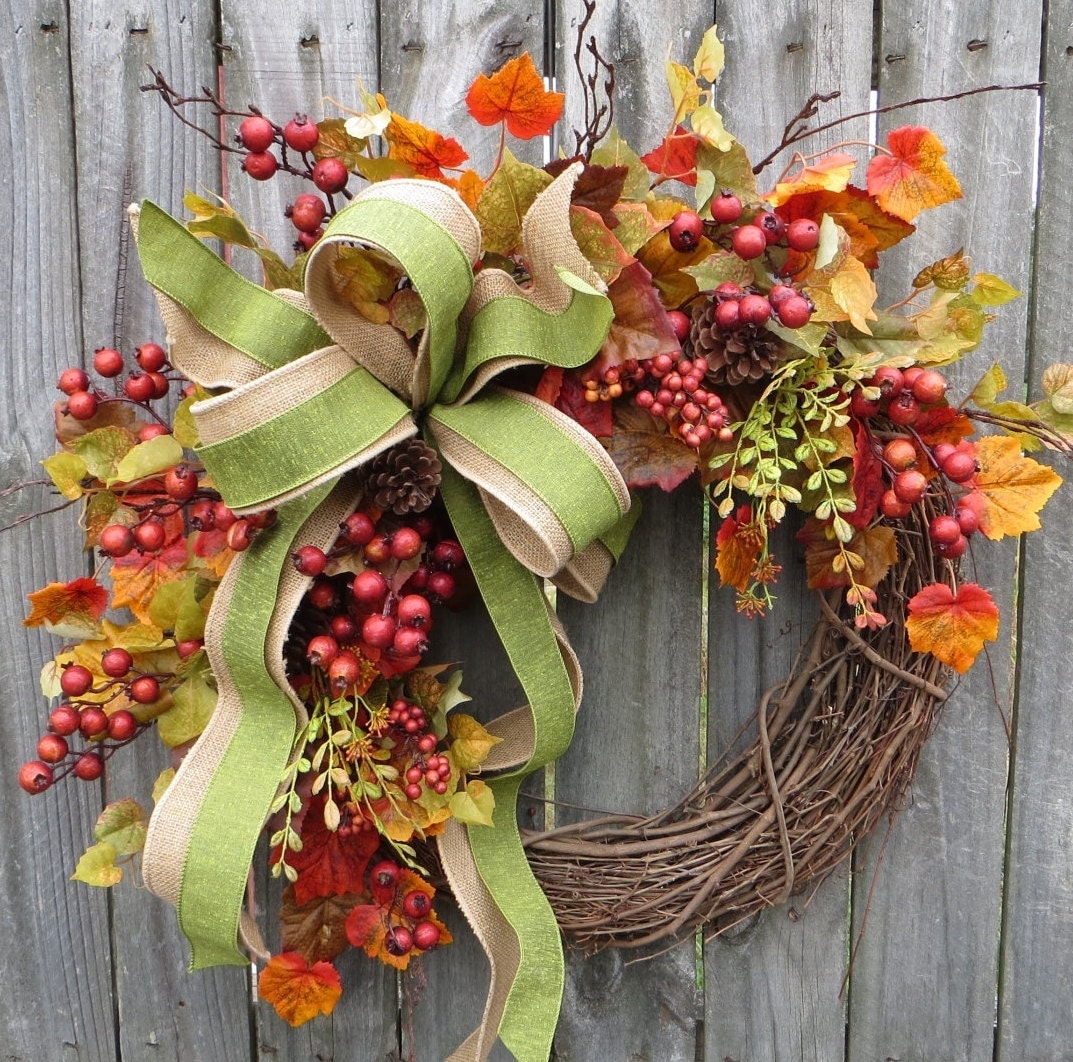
[330, 175]
[89, 766]
[35, 776]
[150, 535]
[343, 628]
[448, 554]
[240, 535]
[889, 380]
[406, 544]
[755, 309]
[414, 611]
[151, 431]
[323, 595]
[725, 208]
[408, 641]
[160, 384]
[344, 671]
[378, 549]
[75, 680]
[892, 507]
[803, 234]
[910, 375]
[427, 743]
[122, 725]
[108, 362]
[441, 585]
[188, 648]
[399, 940]
[862, 407]
[117, 662]
[256, 133]
[72, 381]
[357, 529]
[82, 405]
[944, 530]
[379, 631]
[309, 560]
[306, 240]
[680, 323]
[771, 225]
[64, 720]
[144, 690]
[52, 748]
[426, 935]
[369, 588]
[300, 134]
[685, 230]
[308, 212]
[900, 454]
[139, 387]
[909, 486]
[728, 315]
[384, 874]
[794, 312]
[416, 904]
[968, 519]
[959, 467]
[261, 165]
[413, 791]
[929, 387]
[180, 483]
[954, 549]
[92, 721]
[322, 650]
[748, 242]
[222, 516]
[904, 410]
[152, 357]
[116, 540]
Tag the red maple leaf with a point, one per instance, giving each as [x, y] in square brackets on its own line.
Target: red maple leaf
[329, 863]
[676, 158]
[80, 599]
[868, 484]
[424, 149]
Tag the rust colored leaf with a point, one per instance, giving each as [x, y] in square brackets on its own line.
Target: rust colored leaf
[952, 627]
[598, 188]
[738, 544]
[211, 547]
[598, 243]
[640, 329]
[515, 94]
[648, 458]
[875, 549]
[297, 990]
[138, 576]
[329, 863]
[913, 177]
[676, 158]
[315, 929]
[551, 383]
[868, 483]
[1015, 488]
[594, 417]
[424, 149]
[82, 601]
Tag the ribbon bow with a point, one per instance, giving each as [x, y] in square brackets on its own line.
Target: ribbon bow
[313, 390]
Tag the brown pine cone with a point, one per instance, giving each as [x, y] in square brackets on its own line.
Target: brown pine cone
[746, 354]
[405, 478]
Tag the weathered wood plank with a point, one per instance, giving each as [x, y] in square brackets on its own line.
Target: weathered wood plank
[772, 989]
[1034, 1021]
[55, 933]
[924, 983]
[637, 741]
[128, 149]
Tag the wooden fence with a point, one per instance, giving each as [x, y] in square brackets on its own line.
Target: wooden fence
[969, 938]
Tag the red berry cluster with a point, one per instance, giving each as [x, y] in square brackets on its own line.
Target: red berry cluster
[409, 927]
[674, 390]
[101, 731]
[737, 307]
[144, 384]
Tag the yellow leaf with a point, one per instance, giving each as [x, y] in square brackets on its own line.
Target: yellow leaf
[707, 123]
[297, 990]
[1015, 488]
[685, 92]
[854, 292]
[708, 62]
[470, 742]
[831, 173]
[912, 176]
[97, 866]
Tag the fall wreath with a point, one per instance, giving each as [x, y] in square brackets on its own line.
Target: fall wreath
[449, 393]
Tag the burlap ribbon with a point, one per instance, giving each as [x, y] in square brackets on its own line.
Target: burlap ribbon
[312, 390]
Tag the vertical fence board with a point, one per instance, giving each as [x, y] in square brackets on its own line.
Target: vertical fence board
[924, 982]
[1035, 1020]
[636, 746]
[53, 933]
[772, 988]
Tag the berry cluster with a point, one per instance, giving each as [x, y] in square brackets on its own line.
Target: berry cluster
[84, 714]
[409, 927]
[737, 307]
[674, 390]
[146, 383]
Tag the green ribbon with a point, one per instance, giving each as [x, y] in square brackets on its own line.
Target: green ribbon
[303, 445]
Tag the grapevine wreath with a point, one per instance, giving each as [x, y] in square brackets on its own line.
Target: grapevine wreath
[516, 352]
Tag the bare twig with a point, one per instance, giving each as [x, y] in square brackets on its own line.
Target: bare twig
[599, 113]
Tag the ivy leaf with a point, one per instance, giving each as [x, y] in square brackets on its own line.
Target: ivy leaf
[991, 290]
[470, 742]
[730, 169]
[598, 244]
[913, 177]
[952, 627]
[707, 124]
[614, 153]
[640, 328]
[330, 864]
[70, 610]
[147, 459]
[504, 202]
[97, 866]
[315, 929]
[217, 220]
[102, 449]
[100, 512]
[685, 92]
[515, 94]
[721, 267]
[66, 470]
[424, 149]
[298, 991]
[1015, 487]
[598, 188]
[176, 607]
[137, 577]
[474, 805]
[122, 824]
[194, 701]
[675, 159]
[636, 225]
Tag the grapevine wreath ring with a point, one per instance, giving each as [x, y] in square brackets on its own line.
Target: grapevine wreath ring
[281, 564]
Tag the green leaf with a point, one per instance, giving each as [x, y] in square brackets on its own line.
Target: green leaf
[163, 780]
[710, 57]
[988, 388]
[183, 425]
[97, 866]
[474, 804]
[216, 220]
[66, 470]
[730, 170]
[175, 607]
[102, 449]
[614, 151]
[194, 701]
[505, 200]
[718, 268]
[122, 824]
[470, 742]
[991, 290]
[148, 459]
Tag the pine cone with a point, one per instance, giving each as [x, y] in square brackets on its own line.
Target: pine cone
[405, 478]
[746, 354]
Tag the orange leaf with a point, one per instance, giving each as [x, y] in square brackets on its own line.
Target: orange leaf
[952, 627]
[875, 547]
[738, 545]
[424, 149]
[830, 173]
[676, 158]
[137, 576]
[515, 94]
[297, 990]
[913, 177]
[1014, 487]
[81, 600]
